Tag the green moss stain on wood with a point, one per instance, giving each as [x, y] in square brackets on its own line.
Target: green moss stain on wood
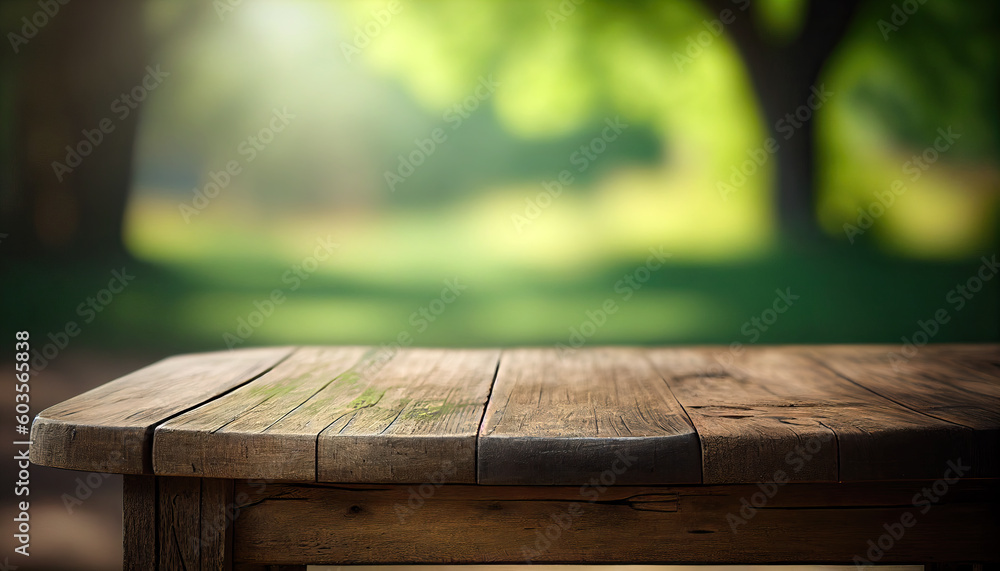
[368, 398]
[427, 410]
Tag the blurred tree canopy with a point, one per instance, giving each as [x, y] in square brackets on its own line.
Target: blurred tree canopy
[564, 65]
[571, 62]
[702, 85]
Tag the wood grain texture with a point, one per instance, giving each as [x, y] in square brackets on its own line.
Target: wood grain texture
[957, 384]
[109, 429]
[771, 412]
[139, 522]
[622, 416]
[600, 413]
[419, 422]
[801, 523]
[218, 510]
[178, 524]
[236, 436]
[340, 414]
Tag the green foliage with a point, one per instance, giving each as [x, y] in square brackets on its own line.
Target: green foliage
[780, 20]
[936, 67]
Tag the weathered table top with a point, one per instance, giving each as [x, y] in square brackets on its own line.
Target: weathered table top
[623, 415]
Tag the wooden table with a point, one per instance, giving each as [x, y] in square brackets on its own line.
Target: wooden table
[354, 455]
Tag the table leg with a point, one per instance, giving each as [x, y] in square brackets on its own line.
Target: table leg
[177, 523]
[139, 519]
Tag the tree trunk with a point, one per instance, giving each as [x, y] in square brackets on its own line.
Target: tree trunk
[66, 79]
[784, 78]
[785, 99]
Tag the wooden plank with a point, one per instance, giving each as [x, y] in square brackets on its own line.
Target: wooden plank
[419, 424]
[956, 384]
[601, 413]
[178, 523]
[218, 510]
[139, 522]
[256, 567]
[799, 523]
[109, 429]
[984, 357]
[235, 436]
[771, 412]
[362, 415]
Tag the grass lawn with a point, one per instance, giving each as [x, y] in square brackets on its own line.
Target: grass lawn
[843, 295]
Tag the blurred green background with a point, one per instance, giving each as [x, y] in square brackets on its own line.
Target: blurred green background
[365, 85]
[222, 144]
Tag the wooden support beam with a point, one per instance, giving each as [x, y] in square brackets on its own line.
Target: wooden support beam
[293, 524]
